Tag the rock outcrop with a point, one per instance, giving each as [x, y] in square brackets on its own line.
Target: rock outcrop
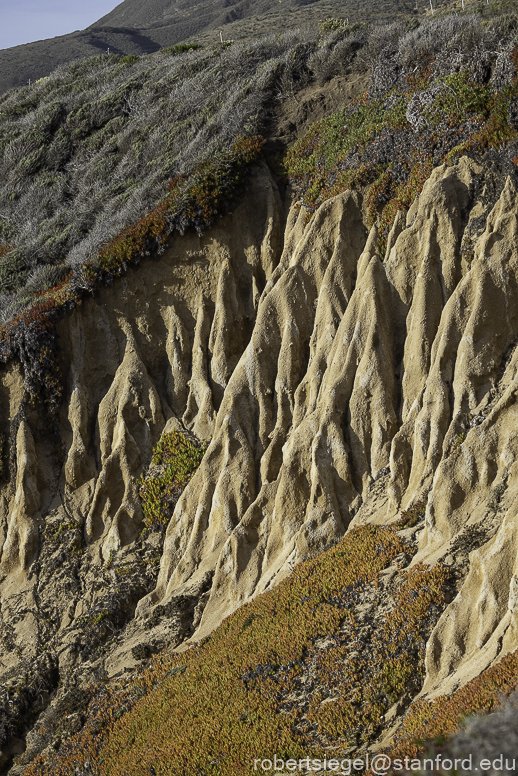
[337, 387]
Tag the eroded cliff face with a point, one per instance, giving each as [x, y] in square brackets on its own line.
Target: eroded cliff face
[337, 387]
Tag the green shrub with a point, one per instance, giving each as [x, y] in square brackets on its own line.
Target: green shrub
[458, 442]
[411, 516]
[335, 25]
[129, 59]
[13, 271]
[179, 458]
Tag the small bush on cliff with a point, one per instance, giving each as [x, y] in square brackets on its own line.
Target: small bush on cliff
[179, 459]
[411, 516]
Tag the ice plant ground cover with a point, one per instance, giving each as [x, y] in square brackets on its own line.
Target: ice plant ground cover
[235, 704]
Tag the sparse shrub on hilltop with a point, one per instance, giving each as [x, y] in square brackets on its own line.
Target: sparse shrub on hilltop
[337, 50]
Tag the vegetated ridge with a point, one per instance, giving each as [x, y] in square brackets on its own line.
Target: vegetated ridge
[140, 29]
[258, 449]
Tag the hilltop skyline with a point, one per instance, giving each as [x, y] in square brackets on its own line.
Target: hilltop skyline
[28, 20]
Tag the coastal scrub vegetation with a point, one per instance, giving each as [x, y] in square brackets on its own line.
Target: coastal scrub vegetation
[88, 151]
[308, 631]
[446, 88]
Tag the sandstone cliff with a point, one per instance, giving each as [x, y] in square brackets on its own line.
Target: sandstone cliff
[337, 387]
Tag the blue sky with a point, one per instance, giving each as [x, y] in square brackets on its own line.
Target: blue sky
[23, 21]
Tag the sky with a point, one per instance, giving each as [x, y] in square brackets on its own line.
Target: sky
[23, 21]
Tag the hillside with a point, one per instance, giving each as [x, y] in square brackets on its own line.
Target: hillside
[258, 397]
[135, 28]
